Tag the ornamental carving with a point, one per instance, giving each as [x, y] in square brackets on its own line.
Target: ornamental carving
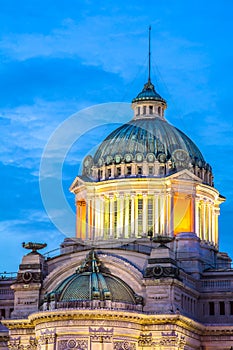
[124, 345]
[173, 339]
[28, 277]
[47, 337]
[15, 344]
[159, 271]
[145, 339]
[73, 343]
[101, 334]
[32, 344]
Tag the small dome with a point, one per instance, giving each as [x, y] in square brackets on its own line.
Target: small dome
[148, 93]
[93, 282]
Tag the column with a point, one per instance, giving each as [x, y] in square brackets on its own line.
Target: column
[126, 223]
[156, 215]
[87, 228]
[121, 216]
[78, 220]
[101, 217]
[132, 229]
[111, 218]
[193, 213]
[106, 217]
[204, 221]
[97, 217]
[168, 214]
[145, 214]
[197, 217]
[136, 216]
[216, 225]
[209, 232]
[161, 205]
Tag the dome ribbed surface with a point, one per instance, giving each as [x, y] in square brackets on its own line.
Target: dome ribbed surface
[92, 281]
[89, 287]
[148, 135]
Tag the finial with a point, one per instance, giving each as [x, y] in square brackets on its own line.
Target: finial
[149, 56]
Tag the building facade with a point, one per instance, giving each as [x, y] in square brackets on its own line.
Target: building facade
[144, 270]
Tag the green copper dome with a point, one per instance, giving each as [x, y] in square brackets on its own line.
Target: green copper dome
[146, 136]
[93, 282]
[148, 93]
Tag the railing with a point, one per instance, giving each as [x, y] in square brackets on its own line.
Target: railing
[136, 247]
[219, 266]
[8, 275]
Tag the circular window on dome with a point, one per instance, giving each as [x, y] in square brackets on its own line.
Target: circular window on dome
[139, 157]
[118, 158]
[180, 155]
[128, 158]
[108, 160]
[150, 157]
[162, 157]
[88, 161]
[100, 162]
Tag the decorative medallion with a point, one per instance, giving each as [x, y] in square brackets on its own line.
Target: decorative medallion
[100, 162]
[150, 157]
[117, 158]
[139, 157]
[27, 276]
[128, 158]
[158, 271]
[108, 160]
[162, 157]
[88, 161]
[180, 155]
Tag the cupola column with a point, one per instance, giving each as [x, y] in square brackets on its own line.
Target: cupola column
[102, 207]
[111, 216]
[136, 216]
[132, 228]
[97, 217]
[126, 223]
[156, 214]
[162, 212]
[145, 214]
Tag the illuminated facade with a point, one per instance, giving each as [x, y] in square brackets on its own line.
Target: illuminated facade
[146, 177]
[144, 270]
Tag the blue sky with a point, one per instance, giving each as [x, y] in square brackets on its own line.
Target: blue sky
[58, 58]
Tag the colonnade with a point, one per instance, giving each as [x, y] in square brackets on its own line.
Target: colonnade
[131, 215]
[124, 216]
[206, 217]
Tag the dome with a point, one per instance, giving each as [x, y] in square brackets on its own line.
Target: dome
[92, 282]
[146, 136]
[148, 93]
[148, 145]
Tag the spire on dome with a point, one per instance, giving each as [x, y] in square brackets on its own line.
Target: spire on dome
[149, 63]
[149, 92]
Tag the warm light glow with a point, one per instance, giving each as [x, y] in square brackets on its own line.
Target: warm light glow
[182, 214]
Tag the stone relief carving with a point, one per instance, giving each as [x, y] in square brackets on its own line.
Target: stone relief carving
[145, 339]
[15, 344]
[173, 339]
[32, 344]
[124, 345]
[101, 334]
[73, 343]
[47, 337]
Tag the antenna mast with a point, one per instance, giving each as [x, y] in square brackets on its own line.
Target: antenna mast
[149, 56]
